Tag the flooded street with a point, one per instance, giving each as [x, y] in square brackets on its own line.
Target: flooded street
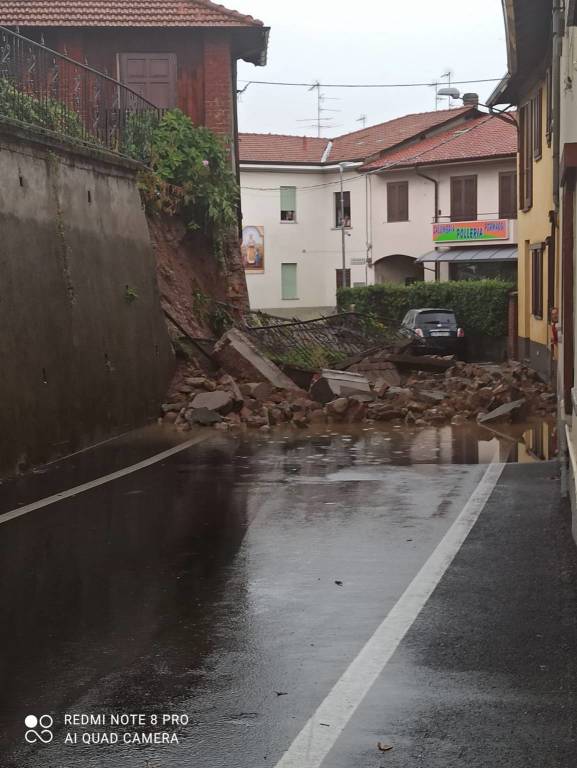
[230, 585]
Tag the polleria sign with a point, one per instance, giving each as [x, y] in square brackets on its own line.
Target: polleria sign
[465, 231]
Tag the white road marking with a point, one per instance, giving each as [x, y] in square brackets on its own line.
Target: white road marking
[314, 742]
[77, 490]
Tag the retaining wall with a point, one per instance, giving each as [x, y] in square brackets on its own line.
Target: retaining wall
[84, 351]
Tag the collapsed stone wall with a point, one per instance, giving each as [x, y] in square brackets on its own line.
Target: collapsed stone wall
[85, 352]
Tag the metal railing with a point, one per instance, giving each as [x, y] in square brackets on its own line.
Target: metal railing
[325, 341]
[46, 89]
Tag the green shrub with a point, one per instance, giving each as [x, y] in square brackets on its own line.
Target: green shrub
[191, 174]
[481, 306]
[43, 113]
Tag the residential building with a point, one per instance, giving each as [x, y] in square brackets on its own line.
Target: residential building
[175, 53]
[426, 196]
[530, 86]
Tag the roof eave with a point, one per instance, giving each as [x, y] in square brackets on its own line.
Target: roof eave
[453, 161]
[257, 54]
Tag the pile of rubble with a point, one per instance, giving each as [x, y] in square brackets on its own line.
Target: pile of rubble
[400, 389]
[466, 392]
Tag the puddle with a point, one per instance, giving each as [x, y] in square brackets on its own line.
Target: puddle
[381, 445]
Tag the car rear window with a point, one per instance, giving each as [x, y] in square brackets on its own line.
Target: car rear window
[434, 318]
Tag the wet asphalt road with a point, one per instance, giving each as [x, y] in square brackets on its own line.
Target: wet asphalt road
[234, 583]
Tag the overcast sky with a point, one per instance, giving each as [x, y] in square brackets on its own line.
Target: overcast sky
[366, 41]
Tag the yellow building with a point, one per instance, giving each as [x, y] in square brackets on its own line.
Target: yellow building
[530, 87]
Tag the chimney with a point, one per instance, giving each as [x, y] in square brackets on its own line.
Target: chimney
[471, 99]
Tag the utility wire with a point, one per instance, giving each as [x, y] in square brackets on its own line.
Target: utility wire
[367, 85]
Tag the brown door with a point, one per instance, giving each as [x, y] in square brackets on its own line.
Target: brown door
[152, 75]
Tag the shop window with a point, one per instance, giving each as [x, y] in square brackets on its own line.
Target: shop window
[463, 198]
[398, 201]
[347, 209]
[484, 270]
[288, 203]
[508, 195]
[537, 281]
[289, 281]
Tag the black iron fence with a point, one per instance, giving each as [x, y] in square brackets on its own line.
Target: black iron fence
[41, 87]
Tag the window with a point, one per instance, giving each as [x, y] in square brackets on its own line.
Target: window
[463, 198]
[289, 281]
[347, 209]
[398, 201]
[537, 110]
[525, 157]
[347, 283]
[537, 280]
[288, 203]
[152, 75]
[508, 195]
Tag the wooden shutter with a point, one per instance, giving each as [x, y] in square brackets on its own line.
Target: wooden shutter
[463, 198]
[526, 156]
[508, 195]
[152, 75]
[398, 201]
[347, 282]
[537, 281]
[537, 109]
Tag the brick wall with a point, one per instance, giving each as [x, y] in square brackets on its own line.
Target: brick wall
[218, 85]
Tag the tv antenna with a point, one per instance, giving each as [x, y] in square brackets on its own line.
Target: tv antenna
[320, 122]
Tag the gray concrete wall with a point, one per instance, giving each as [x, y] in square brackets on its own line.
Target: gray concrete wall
[79, 360]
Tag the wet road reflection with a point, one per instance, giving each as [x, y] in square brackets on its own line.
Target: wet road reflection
[208, 585]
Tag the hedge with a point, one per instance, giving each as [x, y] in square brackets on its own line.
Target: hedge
[481, 306]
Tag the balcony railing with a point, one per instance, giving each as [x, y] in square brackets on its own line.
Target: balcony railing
[46, 89]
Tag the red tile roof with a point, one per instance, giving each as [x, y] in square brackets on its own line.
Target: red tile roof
[359, 145]
[368, 141]
[276, 148]
[477, 139]
[121, 13]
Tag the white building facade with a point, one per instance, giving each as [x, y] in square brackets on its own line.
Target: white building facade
[450, 175]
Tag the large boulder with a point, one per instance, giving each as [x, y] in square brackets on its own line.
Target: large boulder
[219, 401]
[236, 353]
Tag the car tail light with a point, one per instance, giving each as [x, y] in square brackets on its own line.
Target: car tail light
[419, 333]
[460, 333]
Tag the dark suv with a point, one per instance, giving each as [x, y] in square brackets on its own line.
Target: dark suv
[438, 329]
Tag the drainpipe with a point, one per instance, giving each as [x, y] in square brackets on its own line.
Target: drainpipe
[436, 183]
[556, 84]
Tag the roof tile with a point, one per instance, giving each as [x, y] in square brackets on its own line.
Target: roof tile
[121, 13]
[277, 148]
[359, 145]
[480, 138]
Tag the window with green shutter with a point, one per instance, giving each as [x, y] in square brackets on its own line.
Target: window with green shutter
[288, 203]
[289, 281]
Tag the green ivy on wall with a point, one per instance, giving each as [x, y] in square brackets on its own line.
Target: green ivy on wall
[191, 175]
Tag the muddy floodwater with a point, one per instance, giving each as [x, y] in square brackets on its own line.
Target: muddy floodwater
[230, 584]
